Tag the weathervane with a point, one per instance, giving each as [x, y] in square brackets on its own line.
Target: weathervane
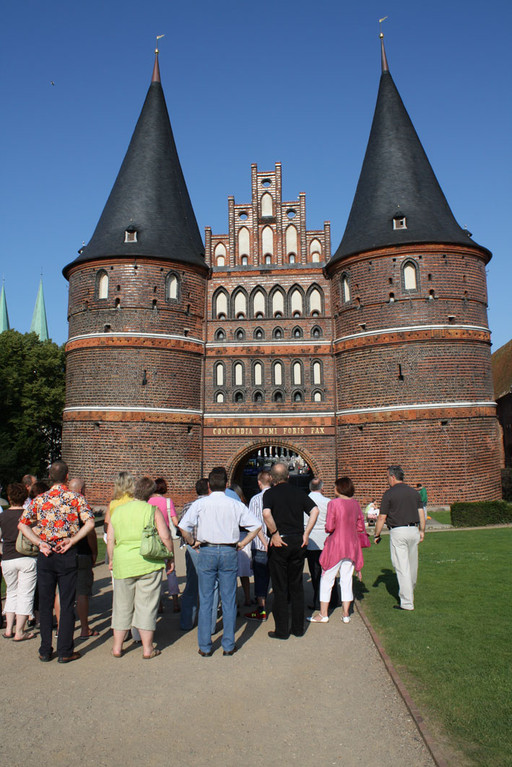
[158, 37]
[381, 35]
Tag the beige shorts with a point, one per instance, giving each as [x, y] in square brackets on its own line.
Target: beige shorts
[136, 602]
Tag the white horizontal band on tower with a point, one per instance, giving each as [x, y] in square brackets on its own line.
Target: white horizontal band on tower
[256, 414]
[127, 334]
[411, 329]
[423, 406]
[129, 409]
[271, 342]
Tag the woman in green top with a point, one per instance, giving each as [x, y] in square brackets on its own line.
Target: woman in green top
[137, 580]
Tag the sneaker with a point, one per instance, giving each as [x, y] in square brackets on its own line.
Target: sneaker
[257, 615]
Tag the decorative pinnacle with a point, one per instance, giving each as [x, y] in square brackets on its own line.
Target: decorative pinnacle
[384, 61]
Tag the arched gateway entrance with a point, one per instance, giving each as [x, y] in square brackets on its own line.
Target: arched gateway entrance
[245, 467]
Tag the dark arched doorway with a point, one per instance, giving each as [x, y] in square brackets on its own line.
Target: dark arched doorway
[245, 468]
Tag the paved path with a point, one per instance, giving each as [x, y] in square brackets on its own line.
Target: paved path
[324, 699]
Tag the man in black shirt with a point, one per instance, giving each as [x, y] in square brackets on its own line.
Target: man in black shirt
[284, 507]
[399, 510]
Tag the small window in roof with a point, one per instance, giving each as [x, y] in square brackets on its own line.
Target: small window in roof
[130, 236]
[399, 222]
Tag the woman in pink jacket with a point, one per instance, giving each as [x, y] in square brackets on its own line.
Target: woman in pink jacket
[342, 550]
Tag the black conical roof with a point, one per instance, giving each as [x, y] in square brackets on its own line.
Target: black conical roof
[149, 196]
[397, 180]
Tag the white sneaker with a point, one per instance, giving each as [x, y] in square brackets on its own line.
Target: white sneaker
[345, 619]
[319, 619]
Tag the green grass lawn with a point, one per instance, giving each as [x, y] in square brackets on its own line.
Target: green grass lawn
[454, 651]
[441, 516]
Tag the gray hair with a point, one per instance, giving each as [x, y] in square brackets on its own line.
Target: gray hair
[397, 472]
[316, 485]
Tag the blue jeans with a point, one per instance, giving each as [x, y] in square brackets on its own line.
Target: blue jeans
[217, 563]
[190, 594]
[261, 573]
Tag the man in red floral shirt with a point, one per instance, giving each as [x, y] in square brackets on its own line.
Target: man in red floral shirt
[56, 516]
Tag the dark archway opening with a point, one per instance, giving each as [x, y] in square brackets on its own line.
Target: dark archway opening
[247, 469]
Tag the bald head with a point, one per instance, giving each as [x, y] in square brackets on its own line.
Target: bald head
[76, 485]
[279, 473]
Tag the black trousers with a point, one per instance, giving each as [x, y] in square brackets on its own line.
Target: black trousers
[286, 565]
[57, 570]
[315, 570]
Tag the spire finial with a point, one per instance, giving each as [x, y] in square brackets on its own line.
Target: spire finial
[384, 61]
[156, 68]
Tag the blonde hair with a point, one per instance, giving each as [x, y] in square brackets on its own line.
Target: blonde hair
[124, 484]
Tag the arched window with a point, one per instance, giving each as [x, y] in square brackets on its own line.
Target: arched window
[297, 332]
[239, 334]
[410, 276]
[220, 305]
[240, 304]
[171, 287]
[297, 396]
[220, 254]
[245, 260]
[315, 302]
[266, 205]
[219, 397]
[238, 374]
[296, 303]
[258, 304]
[292, 258]
[317, 373]
[291, 239]
[243, 241]
[277, 374]
[345, 289]
[278, 303]
[257, 374]
[317, 396]
[258, 396]
[219, 374]
[278, 396]
[239, 397]
[220, 335]
[297, 374]
[101, 284]
[277, 333]
[315, 250]
[267, 241]
[316, 332]
[259, 334]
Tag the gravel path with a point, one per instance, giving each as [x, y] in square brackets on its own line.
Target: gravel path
[324, 699]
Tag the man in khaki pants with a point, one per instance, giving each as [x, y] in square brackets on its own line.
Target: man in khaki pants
[401, 509]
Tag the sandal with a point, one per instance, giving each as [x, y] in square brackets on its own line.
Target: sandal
[92, 633]
[153, 655]
[8, 636]
[319, 619]
[25, 637]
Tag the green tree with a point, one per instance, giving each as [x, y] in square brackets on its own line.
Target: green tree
[32, 388]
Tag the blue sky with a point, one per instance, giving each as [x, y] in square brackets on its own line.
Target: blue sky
[294, 82]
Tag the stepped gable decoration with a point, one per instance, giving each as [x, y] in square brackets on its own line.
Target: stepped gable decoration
[397, 181]
[149, 198]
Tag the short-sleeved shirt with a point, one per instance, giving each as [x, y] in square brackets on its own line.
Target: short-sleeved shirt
[400, 504]
[58, 513]
[288, 505]
[218, 519]
[128, 521]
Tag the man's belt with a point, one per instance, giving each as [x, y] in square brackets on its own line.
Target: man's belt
[231, 545]
[411, 524]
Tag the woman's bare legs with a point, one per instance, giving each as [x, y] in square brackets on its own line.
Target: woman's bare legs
[119, 637]
[147, 641]
[346, 608]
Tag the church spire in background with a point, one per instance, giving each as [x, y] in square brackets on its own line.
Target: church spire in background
[4, 316]
[39, 324]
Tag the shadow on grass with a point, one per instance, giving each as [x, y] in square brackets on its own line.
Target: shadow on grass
[388, 578]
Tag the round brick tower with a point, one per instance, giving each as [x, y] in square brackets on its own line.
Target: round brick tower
[136, 323]
[411, 340]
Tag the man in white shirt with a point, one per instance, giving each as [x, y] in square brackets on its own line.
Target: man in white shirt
[317, 539]
[259, 551]
[218, 520]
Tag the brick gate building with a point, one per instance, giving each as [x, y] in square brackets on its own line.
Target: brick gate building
[183, 356]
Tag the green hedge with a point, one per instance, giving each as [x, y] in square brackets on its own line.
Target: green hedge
[479, 513]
